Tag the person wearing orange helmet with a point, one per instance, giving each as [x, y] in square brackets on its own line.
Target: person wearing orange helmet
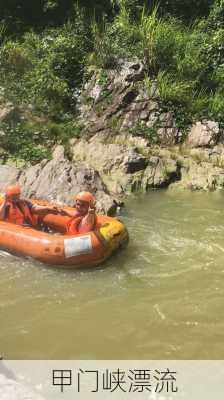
[83, 219]
[19, 211]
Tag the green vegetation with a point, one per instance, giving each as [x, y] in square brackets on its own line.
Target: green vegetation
[46, 48]
[142, 129]
[32, 141]
[187, 60]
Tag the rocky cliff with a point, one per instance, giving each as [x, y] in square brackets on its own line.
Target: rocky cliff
[128, 143]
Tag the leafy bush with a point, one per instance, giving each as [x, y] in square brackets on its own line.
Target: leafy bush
[173, 91]
[216, 16]
[33, 141]
[161, 41]
[48, 66]
[15, 58]
[216, 107]
[111, 41]
[188, 10]
[19, 142]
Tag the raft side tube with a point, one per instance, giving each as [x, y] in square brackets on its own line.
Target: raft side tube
[84, 250]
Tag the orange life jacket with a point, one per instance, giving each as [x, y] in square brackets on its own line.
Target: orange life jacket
[72, 227]
[21, 214]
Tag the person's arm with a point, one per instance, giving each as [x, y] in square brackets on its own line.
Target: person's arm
[3, 209]
[67, 213]
[43, 210]
[87, 223]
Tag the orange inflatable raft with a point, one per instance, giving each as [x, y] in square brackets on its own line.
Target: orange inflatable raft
[84, 250]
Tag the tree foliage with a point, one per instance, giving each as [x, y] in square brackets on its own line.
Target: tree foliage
[22, 14]
[47, 46]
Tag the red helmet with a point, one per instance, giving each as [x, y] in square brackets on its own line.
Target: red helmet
[13, 190]
[85, 196]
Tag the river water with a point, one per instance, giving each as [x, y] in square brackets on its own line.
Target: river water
[160, 298]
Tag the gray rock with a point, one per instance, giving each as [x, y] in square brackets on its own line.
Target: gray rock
[133, 162]
[160, 172]
[199, 175]
[122, 102]
[100, 156]
[167, 135]
[204, 134]
[144, 115]
[132, 141]
[167, 132]
[116, 163]
[129, 71]
[8, 176]
[12, 390]
[152, 120]
[59, 181]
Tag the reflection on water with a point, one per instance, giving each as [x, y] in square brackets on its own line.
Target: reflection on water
[161, 298]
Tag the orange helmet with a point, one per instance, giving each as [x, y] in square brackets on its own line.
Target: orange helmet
[13, 190]
[85, 196]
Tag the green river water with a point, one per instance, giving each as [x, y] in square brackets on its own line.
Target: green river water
[160, 298]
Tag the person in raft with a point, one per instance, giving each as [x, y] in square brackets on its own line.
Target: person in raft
[83, 218]
[19, 211]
